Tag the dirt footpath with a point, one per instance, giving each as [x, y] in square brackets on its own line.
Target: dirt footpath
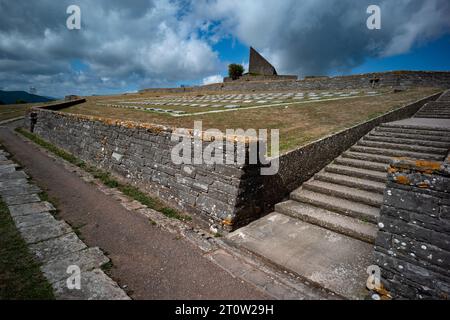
[149, 262]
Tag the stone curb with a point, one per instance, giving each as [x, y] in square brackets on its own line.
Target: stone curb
[11, 120]
[54, 244]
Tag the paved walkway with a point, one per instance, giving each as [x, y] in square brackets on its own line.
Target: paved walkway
[53, 242]
[148, 261]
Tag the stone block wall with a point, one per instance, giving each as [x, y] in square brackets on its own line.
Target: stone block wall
[141, 154]
[61, 105]
[413, 242]
[249, 77]
[224, 194]
[393, 79]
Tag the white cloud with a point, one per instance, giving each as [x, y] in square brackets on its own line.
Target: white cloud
[164, 42]
[146, 43]
[212, 79]
[429, 22]
[317, 36]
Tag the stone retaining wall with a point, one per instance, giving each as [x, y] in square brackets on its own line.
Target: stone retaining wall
[65, 104]
[413, 243]
[228, 195]
[141, 154]
[249, 77]
[394, 79]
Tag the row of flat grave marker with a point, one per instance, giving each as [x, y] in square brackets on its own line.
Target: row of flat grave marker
[231, 101]
[146, 109]
[257, 98]
[251, 98]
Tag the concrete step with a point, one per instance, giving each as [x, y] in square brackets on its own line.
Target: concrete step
[410, 131]
[397, 153]
[376, 166]
[357, 172]
[407, 147]
[349, 208]
[436, 111]
[412, 127]
[325, 258]
[329, 220]
[389, 139]
[433, 116]
[431, 113]
[436, 105]
[436, 115]
[363, 184]
[438, 138]
[367, 157]
[345, 192]
[440, 109]
[441, 106]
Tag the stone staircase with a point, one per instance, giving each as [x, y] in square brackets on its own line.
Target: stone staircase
[325, 232]
[436, 109]
[346, 195]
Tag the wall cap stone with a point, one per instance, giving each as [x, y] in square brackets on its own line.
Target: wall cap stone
[422, 166]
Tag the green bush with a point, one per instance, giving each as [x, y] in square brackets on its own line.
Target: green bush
[235, 71]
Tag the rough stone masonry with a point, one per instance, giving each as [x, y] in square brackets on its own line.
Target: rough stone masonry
[227, 195]
[413, 243]
[141, 153]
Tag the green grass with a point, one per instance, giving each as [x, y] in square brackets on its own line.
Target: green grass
[374, 115]
[107, 267]
[50, 147]
[152, 203]
[13, 111]
[299, 124]
[20, 276]
[107, 179]
[43, 195]
[103, 176]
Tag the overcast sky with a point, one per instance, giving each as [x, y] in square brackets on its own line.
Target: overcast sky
[129, 45]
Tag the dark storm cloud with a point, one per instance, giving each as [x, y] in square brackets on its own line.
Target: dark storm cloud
[122, 44]
[145, 43]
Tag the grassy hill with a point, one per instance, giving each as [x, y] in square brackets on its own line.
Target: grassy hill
[12, 97]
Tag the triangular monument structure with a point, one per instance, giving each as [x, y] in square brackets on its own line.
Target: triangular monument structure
[259, 69]
[258, 65]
